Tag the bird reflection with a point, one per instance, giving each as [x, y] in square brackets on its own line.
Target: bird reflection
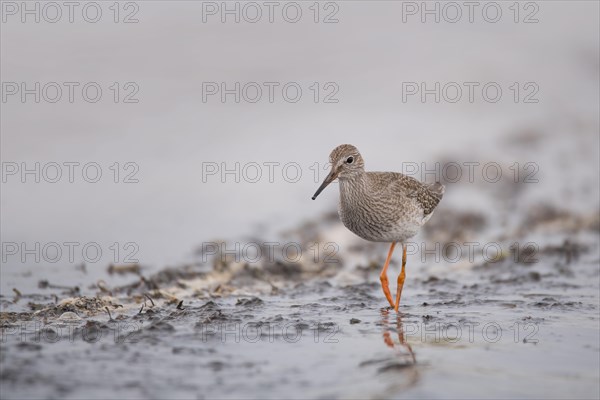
[400, 367]
[408, 352]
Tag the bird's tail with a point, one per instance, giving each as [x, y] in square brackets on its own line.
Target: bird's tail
[437, 188]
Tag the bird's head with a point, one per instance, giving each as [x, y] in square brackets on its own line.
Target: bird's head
[346, 163]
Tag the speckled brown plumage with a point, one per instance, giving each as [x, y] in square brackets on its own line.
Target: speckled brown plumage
[380, 206]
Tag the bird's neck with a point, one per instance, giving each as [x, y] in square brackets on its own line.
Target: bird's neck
[351, 186]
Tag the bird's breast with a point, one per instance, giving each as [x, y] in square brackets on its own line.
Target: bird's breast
[371, 218]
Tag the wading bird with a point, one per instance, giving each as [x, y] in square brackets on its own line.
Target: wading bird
[380, 206]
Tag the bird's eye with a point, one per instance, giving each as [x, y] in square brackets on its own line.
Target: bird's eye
[350, 160]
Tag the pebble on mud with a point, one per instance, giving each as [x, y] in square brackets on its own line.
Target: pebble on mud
[70, 316]
[124, 269]
[254, 301]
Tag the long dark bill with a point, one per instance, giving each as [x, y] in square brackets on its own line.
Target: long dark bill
[328, 179]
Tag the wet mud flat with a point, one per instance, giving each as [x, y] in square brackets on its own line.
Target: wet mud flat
[523, 324]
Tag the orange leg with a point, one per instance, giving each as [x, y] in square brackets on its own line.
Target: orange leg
[401, 278]
[383, 276]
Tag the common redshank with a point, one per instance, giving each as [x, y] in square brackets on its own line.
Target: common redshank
[380, 206]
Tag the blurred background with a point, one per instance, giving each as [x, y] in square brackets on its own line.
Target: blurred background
[164, 135]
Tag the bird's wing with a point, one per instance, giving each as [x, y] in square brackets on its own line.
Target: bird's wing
[430, 196]
[427, 196]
